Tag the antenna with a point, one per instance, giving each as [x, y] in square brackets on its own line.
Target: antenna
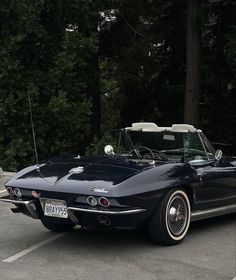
[34, 139]
[33, 131]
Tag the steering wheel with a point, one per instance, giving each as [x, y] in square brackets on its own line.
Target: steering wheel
[150, 154]
[159, 155]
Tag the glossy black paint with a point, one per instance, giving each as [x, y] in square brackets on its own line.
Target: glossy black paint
[120, 177]
[128, 183]
[217, 186]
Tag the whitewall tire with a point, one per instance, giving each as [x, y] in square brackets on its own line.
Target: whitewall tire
[170, 221]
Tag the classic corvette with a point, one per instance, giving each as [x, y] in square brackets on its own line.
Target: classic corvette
[144, 175]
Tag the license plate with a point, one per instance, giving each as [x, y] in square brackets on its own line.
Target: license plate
[55, 208]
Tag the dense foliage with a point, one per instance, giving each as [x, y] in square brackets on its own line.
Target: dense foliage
[92, 65]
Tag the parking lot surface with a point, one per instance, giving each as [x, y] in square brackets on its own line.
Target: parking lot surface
[29, 251]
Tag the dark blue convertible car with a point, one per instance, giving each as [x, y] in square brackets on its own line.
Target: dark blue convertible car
[144, 175]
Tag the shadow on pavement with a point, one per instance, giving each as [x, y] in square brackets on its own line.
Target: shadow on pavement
[130, 238]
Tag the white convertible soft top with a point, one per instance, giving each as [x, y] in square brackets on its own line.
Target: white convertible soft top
[152, 127]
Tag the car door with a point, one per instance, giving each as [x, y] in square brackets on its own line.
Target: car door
[216, 183]
[216, 178]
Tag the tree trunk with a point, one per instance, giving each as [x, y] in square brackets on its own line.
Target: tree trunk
[219, 51]
[193, 64]
[60, 12]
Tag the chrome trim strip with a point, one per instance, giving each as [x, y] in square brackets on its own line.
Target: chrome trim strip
[204, 214]
[27, 204]
[108, 212]
[15, 201]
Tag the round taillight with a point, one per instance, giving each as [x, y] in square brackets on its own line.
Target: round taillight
[104, 201]
[10, 190]
[92, 201]
[17, 192]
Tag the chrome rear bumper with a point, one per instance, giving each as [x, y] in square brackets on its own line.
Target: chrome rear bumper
[28, 204]
[106, 211]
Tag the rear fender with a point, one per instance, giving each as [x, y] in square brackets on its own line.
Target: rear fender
[166, 177]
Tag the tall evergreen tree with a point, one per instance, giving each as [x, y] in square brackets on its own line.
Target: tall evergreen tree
[193, 63]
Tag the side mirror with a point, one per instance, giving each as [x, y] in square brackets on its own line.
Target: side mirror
[218, 155]
[109, 150]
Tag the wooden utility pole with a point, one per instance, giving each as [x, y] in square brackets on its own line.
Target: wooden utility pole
[193, 63]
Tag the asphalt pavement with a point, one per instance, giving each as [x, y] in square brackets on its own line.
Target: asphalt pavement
[29, 251]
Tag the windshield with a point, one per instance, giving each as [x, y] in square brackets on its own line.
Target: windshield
[118, 140]
[163, 145]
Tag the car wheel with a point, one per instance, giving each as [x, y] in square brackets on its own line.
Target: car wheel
[57, 226]
[170, 221]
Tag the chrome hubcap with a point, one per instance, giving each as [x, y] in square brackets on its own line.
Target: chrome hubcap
[177, 215]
